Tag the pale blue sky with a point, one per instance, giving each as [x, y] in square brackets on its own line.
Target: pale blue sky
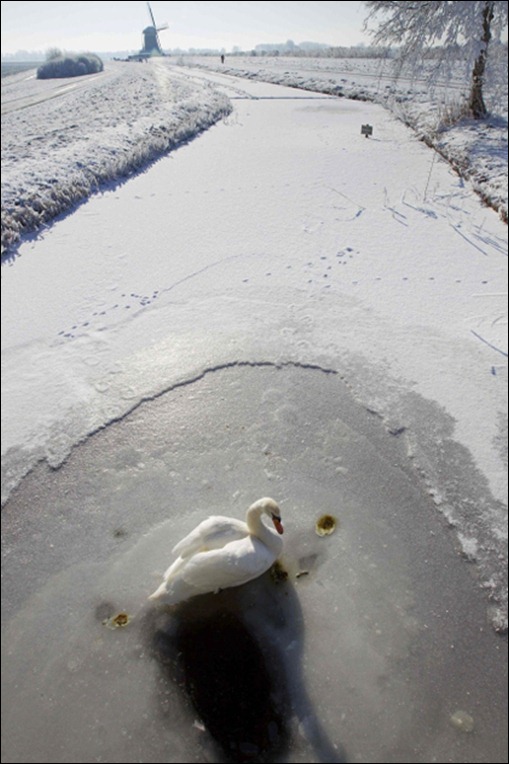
[111, 26]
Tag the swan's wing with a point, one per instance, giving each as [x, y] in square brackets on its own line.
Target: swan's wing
[213, 533]
[234, 564]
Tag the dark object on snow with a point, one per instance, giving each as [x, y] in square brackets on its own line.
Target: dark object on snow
[367, 130]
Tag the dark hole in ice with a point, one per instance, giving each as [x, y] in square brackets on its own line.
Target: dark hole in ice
[325, 525]
[224, 673]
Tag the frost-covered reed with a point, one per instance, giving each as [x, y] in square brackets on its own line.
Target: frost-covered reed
[61, 147]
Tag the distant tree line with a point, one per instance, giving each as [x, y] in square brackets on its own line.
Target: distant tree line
[358, 51]
[60, 64]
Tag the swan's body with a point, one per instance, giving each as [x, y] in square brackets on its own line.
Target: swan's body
[222, 552]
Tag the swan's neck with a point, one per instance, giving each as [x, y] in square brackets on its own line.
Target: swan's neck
[257, 528]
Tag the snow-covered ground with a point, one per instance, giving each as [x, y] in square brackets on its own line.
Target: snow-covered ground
[306, 314]
[478, 151]
[62, 139]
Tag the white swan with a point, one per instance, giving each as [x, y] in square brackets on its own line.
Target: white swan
[222, 552]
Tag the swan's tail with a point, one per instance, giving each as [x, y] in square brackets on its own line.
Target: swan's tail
[159, 592]
[173, 592]
[167, 578]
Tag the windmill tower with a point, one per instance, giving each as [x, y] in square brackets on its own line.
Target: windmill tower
[151, 44]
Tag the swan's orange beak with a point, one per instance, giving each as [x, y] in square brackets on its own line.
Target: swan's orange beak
[277, 524]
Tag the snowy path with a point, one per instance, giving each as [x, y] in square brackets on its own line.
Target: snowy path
[282, 239]
[11, 101]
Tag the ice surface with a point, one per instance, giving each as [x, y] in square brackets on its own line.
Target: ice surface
[477, 149]
[367, 656]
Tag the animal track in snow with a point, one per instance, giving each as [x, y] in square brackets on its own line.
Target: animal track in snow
[346, 254]
[146, 300]
[143, 301]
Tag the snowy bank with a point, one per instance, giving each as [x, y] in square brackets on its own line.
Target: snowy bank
[476, 149]
[62, 139]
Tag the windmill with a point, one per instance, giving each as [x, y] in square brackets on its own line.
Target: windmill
[151, 44]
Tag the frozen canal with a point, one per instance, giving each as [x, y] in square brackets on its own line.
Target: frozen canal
[279, 308]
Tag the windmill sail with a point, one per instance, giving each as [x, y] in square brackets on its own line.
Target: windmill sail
[151, 16]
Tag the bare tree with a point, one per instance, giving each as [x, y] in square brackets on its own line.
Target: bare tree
[446, 29]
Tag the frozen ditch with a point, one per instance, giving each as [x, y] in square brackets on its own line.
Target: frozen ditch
[274, 309]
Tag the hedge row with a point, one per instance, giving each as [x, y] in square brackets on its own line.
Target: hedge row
[70, 66]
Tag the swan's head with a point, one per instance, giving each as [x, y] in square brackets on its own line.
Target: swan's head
[270, 508]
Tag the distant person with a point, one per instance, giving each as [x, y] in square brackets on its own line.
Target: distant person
[222, 59]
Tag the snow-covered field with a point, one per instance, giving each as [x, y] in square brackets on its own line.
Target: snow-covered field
[477, 150]
[63, 139]
[281, 307]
